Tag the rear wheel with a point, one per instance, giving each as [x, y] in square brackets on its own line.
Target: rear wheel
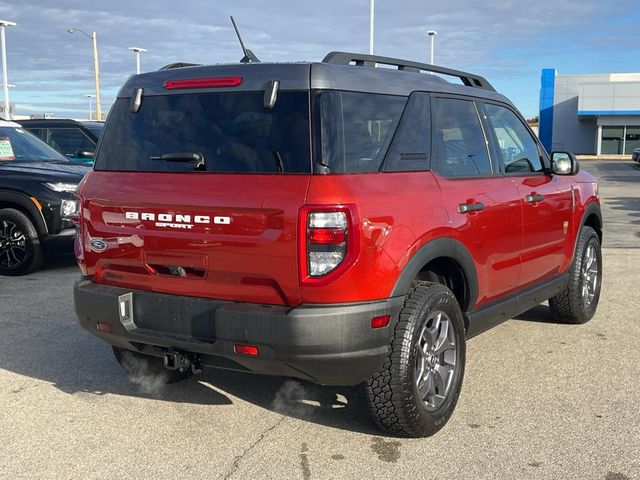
[578, 302]
[147, 370]
[417, 388]
[20, 250]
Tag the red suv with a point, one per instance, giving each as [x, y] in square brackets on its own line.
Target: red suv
[333, 221]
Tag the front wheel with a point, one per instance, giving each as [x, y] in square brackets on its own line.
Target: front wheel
[417, 388]
[578, 302]
[20, 249]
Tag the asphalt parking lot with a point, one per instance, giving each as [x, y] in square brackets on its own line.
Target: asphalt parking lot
[540, 399]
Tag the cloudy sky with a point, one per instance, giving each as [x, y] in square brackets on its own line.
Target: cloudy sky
[507, 41]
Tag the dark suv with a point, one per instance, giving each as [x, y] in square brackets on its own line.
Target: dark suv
[75, 139]
[332, 221]
[37, 204]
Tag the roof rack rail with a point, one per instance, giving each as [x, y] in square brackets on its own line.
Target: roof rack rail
[360, 59]
[179, 65]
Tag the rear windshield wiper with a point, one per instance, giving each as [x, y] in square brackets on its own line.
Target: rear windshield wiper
[279, 163]
[184, 157]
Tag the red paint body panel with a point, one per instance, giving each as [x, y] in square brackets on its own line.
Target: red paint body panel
[493, 236]
[399, 212]
[255, 258]
[545, 235]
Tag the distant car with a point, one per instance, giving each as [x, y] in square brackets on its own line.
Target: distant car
[75, 139]
[636, 155]
[37, 201]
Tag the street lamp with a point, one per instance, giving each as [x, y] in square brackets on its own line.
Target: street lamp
[5, 77]
[90, 97]
[432, 34]
[137, 51]
[96, 68]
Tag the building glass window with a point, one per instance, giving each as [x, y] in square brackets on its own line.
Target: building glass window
[612, 140]
[632, 140]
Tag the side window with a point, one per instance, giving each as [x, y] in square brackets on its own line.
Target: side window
[458, 142]
[519, 150]
[38, 132]
[69, 141]
[356, 129]
[409, 150]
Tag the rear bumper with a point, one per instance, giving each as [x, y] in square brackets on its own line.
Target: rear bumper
[327, 344]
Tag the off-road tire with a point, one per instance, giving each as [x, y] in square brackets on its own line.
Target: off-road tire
[147, 369]
[392, 393]
[17, 222]
[569, 306]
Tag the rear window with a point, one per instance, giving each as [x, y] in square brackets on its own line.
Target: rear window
[230, 132]
[354, 130]
[94, 127]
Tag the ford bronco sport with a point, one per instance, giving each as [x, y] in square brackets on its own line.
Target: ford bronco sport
[335, 222]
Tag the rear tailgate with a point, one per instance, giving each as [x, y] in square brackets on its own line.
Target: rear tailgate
[196, 192]
[224, 236]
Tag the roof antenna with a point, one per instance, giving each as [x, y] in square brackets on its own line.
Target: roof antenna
[249, 56]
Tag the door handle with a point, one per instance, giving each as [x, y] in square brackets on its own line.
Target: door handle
[470, 207]
[534, 198]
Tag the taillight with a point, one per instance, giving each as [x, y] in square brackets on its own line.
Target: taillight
[329, 240]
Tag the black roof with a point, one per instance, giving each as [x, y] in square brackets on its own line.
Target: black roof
[58, 122]
[338, 71]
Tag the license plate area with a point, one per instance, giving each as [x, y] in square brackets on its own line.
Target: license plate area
[180, 317]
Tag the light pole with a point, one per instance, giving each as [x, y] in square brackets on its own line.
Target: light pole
[137, 51]
[371, 24]
[5, 76]
[432, 34]
[90, 97]
[96, 67]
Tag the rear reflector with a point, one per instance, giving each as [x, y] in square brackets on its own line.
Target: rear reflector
[104, 327]
[246, 350]
[380, 322]
[215, 82]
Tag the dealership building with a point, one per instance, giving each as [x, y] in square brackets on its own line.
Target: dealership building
[590, 114]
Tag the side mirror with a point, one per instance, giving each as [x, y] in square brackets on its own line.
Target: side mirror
[84, 154]
[564, 163]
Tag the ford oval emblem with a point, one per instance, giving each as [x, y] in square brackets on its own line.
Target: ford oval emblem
[98, 245]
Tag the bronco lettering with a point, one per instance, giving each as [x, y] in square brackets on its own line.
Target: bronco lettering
[169, 220]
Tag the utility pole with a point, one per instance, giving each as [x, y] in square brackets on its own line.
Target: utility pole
[96, 67]
[5, 75]
[137, 51]
[432, 34]
[371, 24]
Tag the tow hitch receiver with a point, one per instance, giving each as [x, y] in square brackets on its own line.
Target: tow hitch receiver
[172, 360]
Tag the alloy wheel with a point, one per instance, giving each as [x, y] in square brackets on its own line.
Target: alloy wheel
[13, 245]
[590, 275]
[435, 360]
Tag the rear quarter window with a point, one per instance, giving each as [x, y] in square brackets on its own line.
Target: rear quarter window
[353, 130]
